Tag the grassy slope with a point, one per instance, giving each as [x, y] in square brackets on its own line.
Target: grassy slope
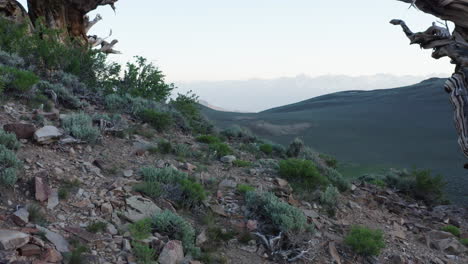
[404, 127]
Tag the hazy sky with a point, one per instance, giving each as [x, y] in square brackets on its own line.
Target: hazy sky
[242, 39]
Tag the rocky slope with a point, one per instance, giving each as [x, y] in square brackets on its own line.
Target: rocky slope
[94, 183]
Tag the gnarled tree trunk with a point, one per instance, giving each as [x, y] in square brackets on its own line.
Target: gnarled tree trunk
[445, 44]
[67, 16]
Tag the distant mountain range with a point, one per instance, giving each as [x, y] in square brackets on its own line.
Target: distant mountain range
[257, 95]
[403, 127]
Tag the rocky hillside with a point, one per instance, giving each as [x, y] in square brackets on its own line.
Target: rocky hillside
[137, 195]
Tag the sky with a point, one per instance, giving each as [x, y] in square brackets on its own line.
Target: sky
[244, 39]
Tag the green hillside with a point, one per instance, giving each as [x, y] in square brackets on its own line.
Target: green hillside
[403, 127]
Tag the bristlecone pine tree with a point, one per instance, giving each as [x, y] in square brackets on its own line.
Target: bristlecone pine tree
[447, 44]
[67, 16]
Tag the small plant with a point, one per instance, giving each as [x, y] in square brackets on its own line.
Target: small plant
[10, 165]
[242, 163]
[236, 131]
[302, 172]
[158, 120]
[143, 253]
[141, 229]
[329, 199]
[208, 139]
[64, 96]
[295, 148]
[36, 215]
[152, 189]
[464, 241]
[176, 227]
[96, 227]
[165, 147]
[81, 126]
[365, 241]
[244, 188]
[66, 188]
[182, 150]
[63, 193]
[329, 160]
[16, 80]
[9, 140]
[269, 208]
[266, 148]
[218, 234]
[221, 149]
[76, 255]
[378, 182]
[452, 229]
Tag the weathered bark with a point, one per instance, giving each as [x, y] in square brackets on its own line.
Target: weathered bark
[454, 46]
[14, 11]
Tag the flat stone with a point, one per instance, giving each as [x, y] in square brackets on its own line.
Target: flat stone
[11, 240]
[201, 238]
[226, 183]
[281, 183]
[172, 253]
[106, 208]
[59, 242]
[139, 208]
[228, 159]
[83, 234]
[30, 250]
[218, 209]
[334, 253]
[47, 134]
[252, 225]
[42, 189]
[21, 217]
[53, 200]
[53, 256]
[310, 213]
[128, 173]
[22, 131]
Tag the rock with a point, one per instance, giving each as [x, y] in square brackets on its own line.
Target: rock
[398, 231]
[228, 159]
[251, 225]
[83, 234]
[218, 209]
[201, 238]
[126, 246]
[226, 183]
[47, 134]
[59, 242]
[310, 213]
[21, 217]
[11, 240]
[139, 208]
[30, 250]
[106, 208]
[334, 253]
[449, 245]
[42, 189]
[281, 183]
[396, 259]
[353, 205]
[22, 131]
[189, 167]
[128, 173]
[53, 200]
[51, 255]
[172, 253]
[110, 228]
[353, 187]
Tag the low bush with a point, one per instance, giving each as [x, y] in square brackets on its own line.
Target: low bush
[244, 188]
[238, 132]
[11, 59]
[208, 139]
[81, 126]
[17, 81]
[329, 200]
[96, 227]
[182, 151]
[302, 172]
[173, 185]
[242, 163]
[165, 147]
[9, 140]
[337, 179]
[266, 148]
[268, 208]
[464, 241]
[158, 120]
[141, 229]
[9, 165]
[177, 228]
[295, 148]
[329, 160]
[143, 253]
[452, 229]
[64, 96]
[220, 149]
[365, 241]
[36, 215]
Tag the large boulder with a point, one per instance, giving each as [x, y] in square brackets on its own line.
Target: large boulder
[11, 240]
[47, 134]
[172, 253]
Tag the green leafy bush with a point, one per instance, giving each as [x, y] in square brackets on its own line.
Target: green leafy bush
[238, 132]
[365, 241]
[16, 80]
[452, 229]
[242, 163]
[303, 172]
[151, 189]
[221, 149]
[266, 148]
[81, 126]
[145, 80]
[97, 227]
[244, 188]
[160, 121]
[337, 179]
[464, 241]
[295, 148]
[165, 147]
[329, 160]
[329, 199]
[9, 165]
[141, 229]
[208, 139]
[64, 96]
[182, 150]
[271, 210]
[143, 253]
[9, 140]
[177, 228]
